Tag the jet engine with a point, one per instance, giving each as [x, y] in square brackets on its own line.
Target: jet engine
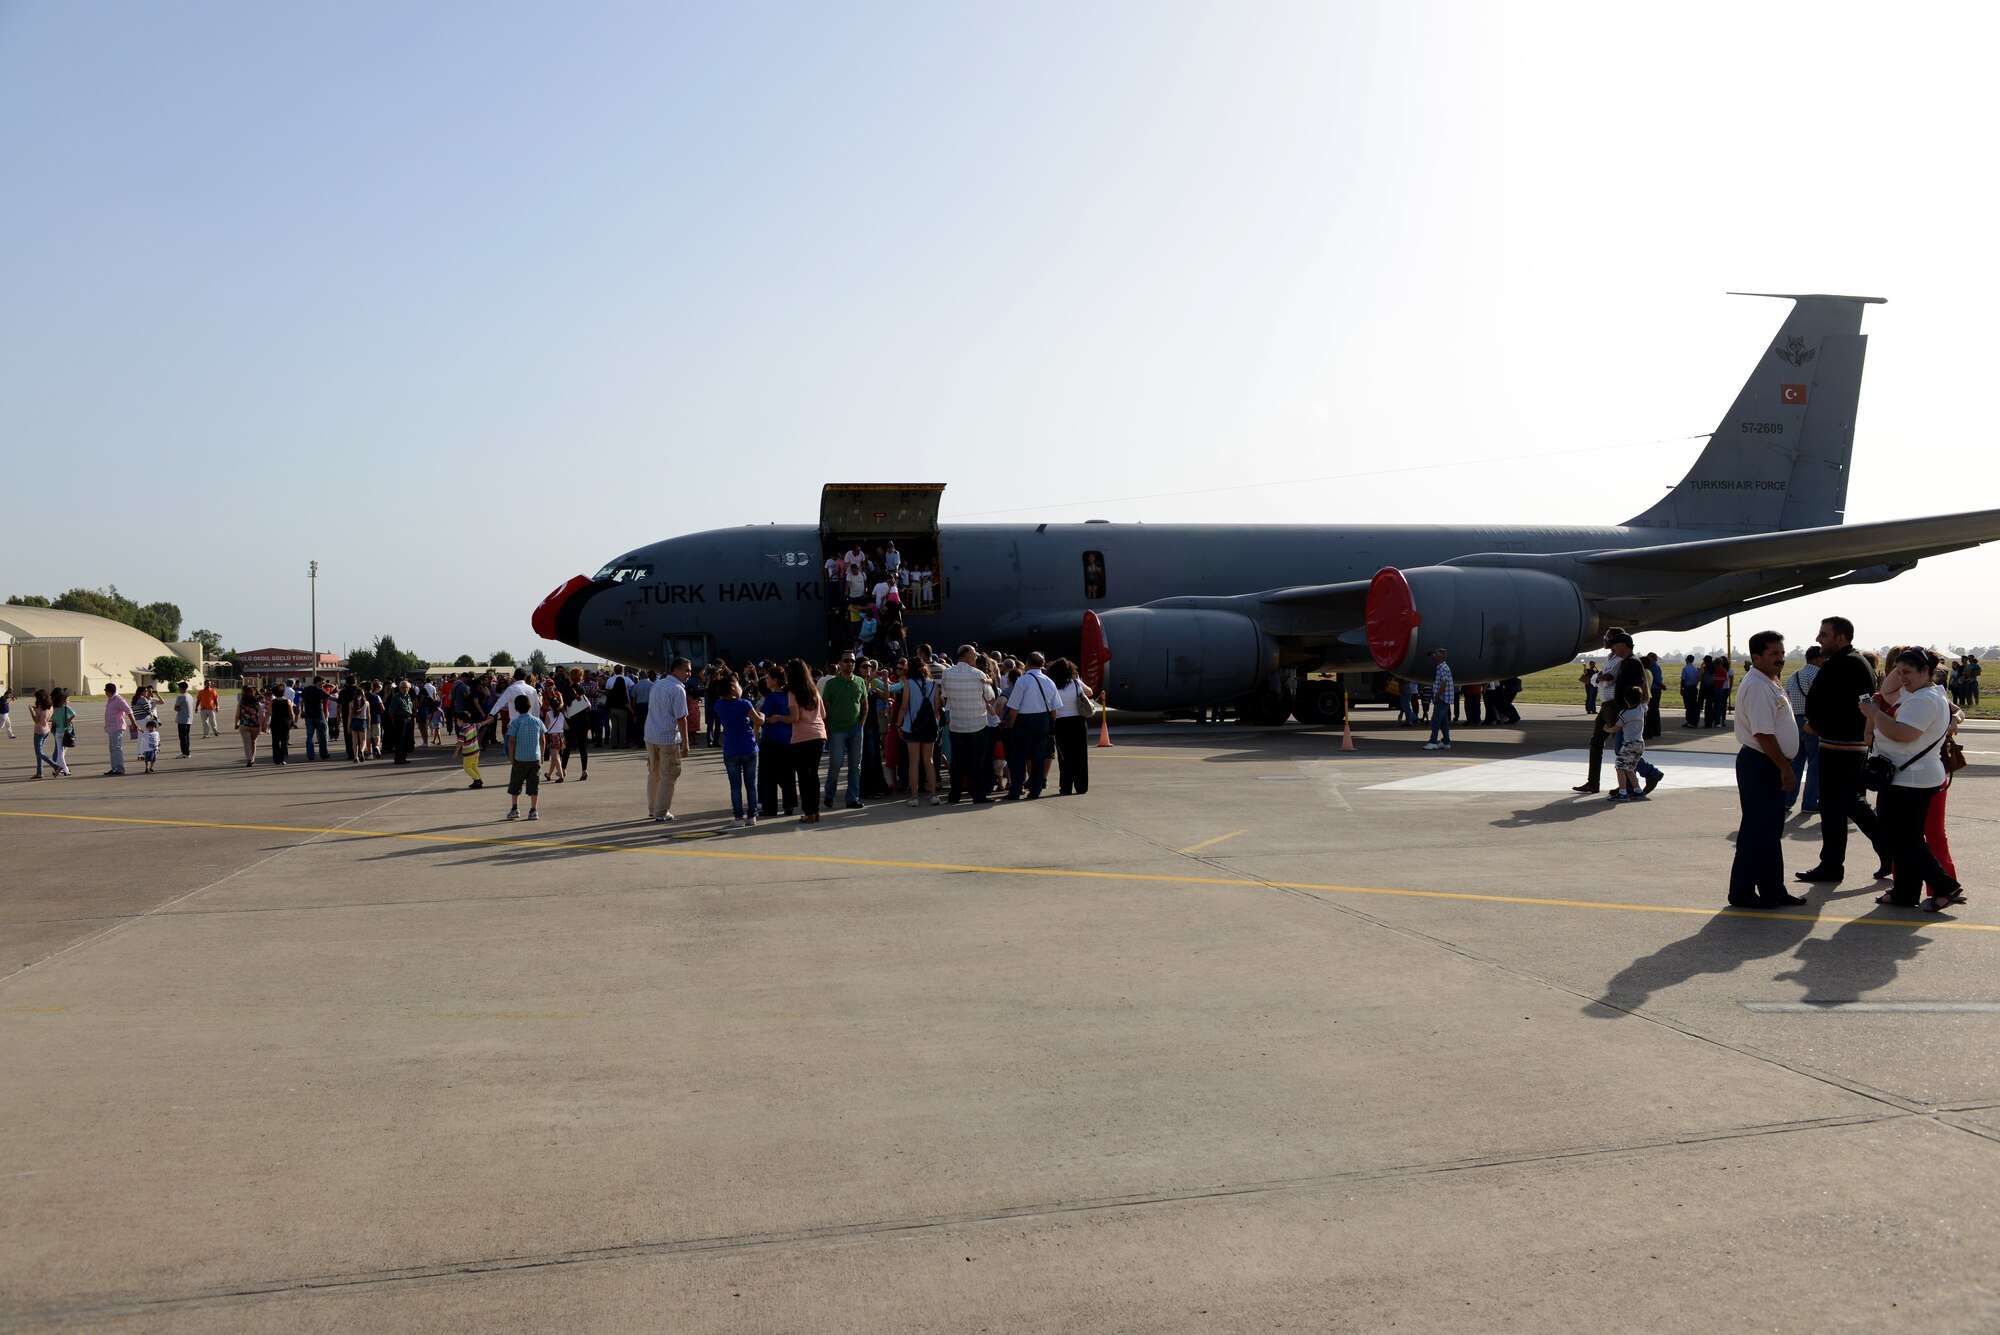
[1492, 622]
[1176, 658]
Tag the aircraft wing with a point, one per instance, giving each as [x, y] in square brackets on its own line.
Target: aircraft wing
[1890, 542]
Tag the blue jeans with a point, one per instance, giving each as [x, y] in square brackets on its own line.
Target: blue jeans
[1805, 771]
[53, 759]
[1441, 721]
[315, 728]
[742, 784]
[1409, 705]
[843, 748]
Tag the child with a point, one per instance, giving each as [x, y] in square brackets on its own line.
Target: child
[1630, 725]
[468, 749]
[149, 746]
[524, 750]
[555, 726]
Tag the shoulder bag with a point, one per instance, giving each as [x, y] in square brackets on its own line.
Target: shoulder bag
[1086, 708]
[1878, 772]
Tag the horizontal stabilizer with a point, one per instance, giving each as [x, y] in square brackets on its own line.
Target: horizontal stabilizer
[1837, 545]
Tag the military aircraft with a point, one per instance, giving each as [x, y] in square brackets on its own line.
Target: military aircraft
[1193, 614]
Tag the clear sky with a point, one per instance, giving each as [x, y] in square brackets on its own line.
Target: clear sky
[463, 299]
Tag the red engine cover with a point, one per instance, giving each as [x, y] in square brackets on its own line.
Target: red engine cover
[1096, 653]
[1392, 618]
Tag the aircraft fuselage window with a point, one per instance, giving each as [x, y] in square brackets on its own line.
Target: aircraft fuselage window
[1093, 574]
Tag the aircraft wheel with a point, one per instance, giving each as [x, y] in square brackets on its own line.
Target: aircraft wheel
[1319, 704]
[1262, 707]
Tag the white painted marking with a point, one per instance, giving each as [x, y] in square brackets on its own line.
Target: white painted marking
[1558, 771]
[1874, 1007]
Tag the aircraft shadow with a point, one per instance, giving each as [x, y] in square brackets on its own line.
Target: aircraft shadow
[1724, 944]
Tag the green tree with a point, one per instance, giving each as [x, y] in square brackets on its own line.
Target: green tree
[171, 668]
[211, 643]
[162, 621]
[464, 660]
[26, 600]
[501, 658]
[538, 663]
[383, 661]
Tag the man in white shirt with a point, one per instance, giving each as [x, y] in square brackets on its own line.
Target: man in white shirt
[1031, 713]
[1769, 738]
[667, 738]
[965, 693]
[503, 704]
[892, 560]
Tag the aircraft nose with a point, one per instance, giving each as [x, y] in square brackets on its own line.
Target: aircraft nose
[548, 617]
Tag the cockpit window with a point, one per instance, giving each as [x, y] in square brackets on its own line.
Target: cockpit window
[623, 574]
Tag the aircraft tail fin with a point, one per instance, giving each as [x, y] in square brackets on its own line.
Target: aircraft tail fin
[1779, 459]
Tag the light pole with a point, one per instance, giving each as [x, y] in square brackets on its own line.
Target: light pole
[312, 582]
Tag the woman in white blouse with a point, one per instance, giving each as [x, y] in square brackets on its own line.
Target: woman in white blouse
[1072, 737]
[1911, 740]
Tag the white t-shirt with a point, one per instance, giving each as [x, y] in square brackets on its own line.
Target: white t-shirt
[1066, 696]
[1762, 707]
[1929, 710]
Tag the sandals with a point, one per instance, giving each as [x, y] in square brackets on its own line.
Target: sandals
[1890, 901]
[1939, 903]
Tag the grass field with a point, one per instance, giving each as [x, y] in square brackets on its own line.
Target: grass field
[1560, 686]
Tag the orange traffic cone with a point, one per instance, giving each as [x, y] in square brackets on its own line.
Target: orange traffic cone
[1346, 730]
[1103, 726]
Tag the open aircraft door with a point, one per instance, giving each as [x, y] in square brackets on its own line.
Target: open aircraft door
[872, 515]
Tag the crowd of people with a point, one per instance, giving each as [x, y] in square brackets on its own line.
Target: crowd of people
[796, 740]
[867, 593]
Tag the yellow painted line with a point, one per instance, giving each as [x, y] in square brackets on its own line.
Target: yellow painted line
[1322, 760]
[1063, 872]
[1211, 843]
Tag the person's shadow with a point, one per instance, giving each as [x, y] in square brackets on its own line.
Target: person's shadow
[1863, 955]
[1724, 944]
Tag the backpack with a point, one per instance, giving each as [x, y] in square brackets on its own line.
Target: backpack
[921, 725]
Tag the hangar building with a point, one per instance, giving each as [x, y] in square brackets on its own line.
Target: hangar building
[41, 647]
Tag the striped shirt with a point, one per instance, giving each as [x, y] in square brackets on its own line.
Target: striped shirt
[1441, 687]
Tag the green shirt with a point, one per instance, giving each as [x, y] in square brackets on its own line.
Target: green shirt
[843, 697]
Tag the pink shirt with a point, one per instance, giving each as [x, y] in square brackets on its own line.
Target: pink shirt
[811, 727]
[117, 714]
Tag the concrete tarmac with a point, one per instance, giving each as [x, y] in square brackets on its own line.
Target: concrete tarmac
[1239, 1040]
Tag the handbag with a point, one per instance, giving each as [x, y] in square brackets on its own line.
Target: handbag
[1953, 756]
[1086, 708]
[1878, 773]
[577, 706]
